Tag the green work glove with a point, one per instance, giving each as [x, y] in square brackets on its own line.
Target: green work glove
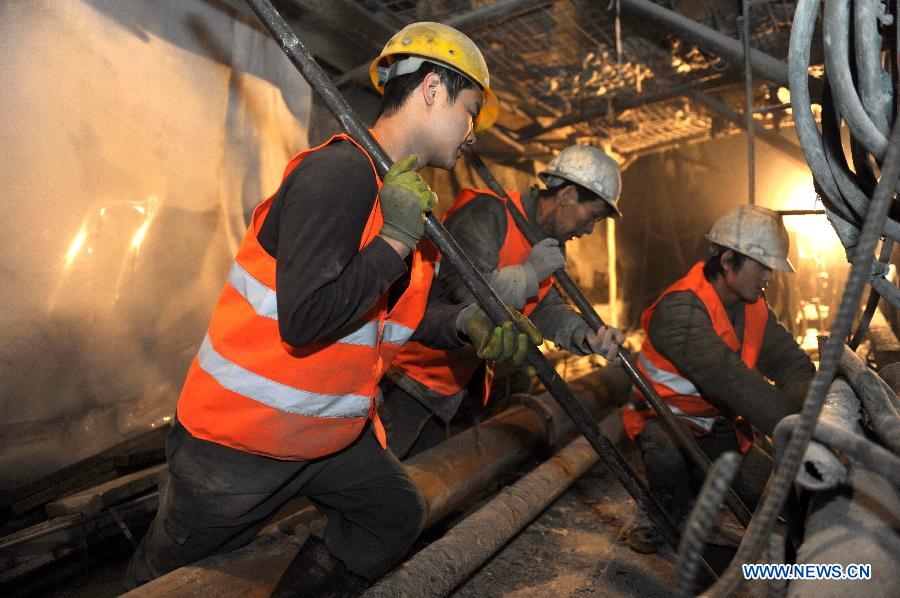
[499, 343]
[405, 198]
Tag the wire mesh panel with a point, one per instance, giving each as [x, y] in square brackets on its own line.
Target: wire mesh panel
[560, 60]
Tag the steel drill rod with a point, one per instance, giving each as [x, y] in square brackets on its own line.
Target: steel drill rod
[681, 436]
[454, 255]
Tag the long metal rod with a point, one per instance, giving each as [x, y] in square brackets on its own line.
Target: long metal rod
[454, 255]
[682, 437]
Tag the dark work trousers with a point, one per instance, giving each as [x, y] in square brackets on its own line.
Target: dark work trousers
[670, 474]
[411, 427]
[215, 499]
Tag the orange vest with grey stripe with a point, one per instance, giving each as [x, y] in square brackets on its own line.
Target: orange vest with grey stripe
[248, 390]
[676, 390]
[450, 372]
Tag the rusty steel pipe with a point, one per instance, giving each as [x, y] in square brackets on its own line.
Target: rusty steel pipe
[454, 472]
[442, 565]
[449, 476]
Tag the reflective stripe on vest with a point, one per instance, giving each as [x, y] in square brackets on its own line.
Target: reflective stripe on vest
[704, 423]
[258, 295]
[277, 395]
[396, 334]
[264, 302]
[680, 385]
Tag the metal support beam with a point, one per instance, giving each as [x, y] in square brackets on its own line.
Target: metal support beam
[621, 103]
[773, 139]
[749, 125]
[710, 39]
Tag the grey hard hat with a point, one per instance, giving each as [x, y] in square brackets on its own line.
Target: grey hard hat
[756, 232]
[589, 167]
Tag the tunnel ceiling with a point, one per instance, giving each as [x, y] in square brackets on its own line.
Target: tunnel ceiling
[563, 73]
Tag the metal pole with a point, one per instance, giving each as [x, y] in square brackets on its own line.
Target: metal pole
[611, 267]
[748, 88]
[454, 255]
[683, 438]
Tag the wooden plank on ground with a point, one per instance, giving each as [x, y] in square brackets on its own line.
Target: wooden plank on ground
[93, 500]
[30, 549]
[83, 474]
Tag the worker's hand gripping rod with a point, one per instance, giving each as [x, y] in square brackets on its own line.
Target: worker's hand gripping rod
[454, 255]
[680, 435]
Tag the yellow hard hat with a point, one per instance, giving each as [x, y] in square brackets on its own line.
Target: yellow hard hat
[442, 45]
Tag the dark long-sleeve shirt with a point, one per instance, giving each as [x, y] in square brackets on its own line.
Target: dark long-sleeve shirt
[682, 332]
[324, 280]
[480, 227]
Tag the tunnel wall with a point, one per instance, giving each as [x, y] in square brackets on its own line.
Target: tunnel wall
[136, 137]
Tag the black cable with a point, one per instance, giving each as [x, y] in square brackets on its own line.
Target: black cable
[872, 304]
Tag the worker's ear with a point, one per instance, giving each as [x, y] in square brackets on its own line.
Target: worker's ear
[567, 195]
[429, 88]
[727, 260]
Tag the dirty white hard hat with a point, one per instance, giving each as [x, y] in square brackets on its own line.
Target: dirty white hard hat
[756, 232]
[589, 167]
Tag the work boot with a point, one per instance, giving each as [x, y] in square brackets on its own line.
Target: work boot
[642, 537]
[315, 573]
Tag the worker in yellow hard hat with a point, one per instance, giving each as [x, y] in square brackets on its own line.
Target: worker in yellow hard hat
[326, 288]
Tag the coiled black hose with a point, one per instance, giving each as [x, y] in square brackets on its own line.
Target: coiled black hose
[811, 141]
[848, 183]
[807, 131]
[702, 520]
[869, 73]
[836, 25]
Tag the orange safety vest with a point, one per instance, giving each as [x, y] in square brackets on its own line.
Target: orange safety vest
[249, 390]
[674, 388]
[449, 372]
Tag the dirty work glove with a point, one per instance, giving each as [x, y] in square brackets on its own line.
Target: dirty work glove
[499, 343]
[546, 258]
[605, 342]
[405, 198]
